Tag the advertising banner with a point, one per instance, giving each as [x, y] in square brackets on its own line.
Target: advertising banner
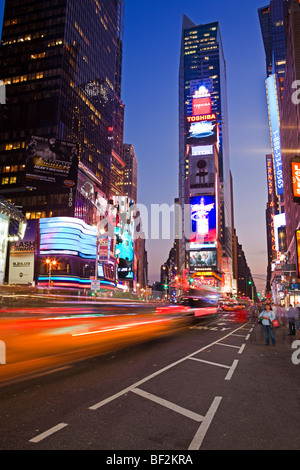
[201, 259]
[51, 162]
[296, 177]
[201, 106]
[202, 133]
[4, 225]
[21, 257]
[203, 219]
[124, 254]
[202, 172]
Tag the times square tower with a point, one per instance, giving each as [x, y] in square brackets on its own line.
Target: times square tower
[204, 172]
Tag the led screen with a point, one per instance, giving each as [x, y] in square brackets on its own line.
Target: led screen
[66, 235]
[202, 133]
[203, 219]
[201, 259]
[201, 106]
[124, 253]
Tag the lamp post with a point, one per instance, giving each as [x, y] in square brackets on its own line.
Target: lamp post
[50, 262]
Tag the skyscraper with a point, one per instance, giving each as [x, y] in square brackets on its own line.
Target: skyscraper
[61, 63]
[273, 26]
[62, 139]
[204, 170]
[130, 176]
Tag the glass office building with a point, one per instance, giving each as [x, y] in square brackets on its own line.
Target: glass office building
[61, 63]
[61, 136]
[203, 96]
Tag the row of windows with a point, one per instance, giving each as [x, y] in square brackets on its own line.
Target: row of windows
[12, 146]
[9, 180]
[12, 168]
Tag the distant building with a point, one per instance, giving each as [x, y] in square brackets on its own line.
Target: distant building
[130, 172]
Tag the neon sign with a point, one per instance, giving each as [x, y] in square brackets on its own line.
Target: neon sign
[204, 117]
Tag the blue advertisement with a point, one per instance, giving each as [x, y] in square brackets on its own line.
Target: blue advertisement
[275, 131]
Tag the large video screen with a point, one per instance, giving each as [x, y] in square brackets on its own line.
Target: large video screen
[202, 133]
[203, 259]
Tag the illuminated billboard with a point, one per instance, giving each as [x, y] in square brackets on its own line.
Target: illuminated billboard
[201, 259]
[203, 219]
[202, 133]
[67, 236]
[202, 150]
[202, 172]
[21, 257]
[274, 119]
[296, 177]
[51, 162]
[201, 106]
[4, 225]
[124, 253]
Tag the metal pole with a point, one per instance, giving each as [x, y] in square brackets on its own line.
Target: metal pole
[49, 285]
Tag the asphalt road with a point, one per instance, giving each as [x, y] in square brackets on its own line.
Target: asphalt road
[213, 386]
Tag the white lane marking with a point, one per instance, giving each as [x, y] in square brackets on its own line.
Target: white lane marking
[209, 362]
[231, 370]
[228, 345]
[247, 337]
[168, 404]
[151, 376]
[45, 434]
[242, 348]
[200, 434]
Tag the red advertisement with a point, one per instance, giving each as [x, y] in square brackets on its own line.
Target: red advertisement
[201, 106]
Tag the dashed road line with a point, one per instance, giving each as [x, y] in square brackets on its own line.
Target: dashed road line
[48, 433]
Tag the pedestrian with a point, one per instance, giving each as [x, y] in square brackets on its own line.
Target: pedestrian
[292, 316]
[298, 322]
[267, 317]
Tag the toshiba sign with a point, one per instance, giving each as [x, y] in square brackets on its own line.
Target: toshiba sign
[201, 106]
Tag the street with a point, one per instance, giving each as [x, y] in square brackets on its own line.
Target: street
[214, 385]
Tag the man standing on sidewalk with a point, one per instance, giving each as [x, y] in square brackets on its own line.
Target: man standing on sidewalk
[292, 316]
[267, 317]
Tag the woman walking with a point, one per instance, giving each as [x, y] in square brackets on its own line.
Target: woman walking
[267, 317]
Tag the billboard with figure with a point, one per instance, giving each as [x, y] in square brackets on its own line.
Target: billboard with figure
[51, 162]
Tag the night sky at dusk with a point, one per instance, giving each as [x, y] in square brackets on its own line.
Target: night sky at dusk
[152, 35]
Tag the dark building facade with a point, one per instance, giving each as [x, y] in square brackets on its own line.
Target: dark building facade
[60, 62]
[61, 141]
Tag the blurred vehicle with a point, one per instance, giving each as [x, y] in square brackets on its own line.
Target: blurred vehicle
[201, 300]
[231, 306]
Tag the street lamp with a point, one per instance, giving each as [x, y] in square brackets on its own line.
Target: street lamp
[50, 262]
